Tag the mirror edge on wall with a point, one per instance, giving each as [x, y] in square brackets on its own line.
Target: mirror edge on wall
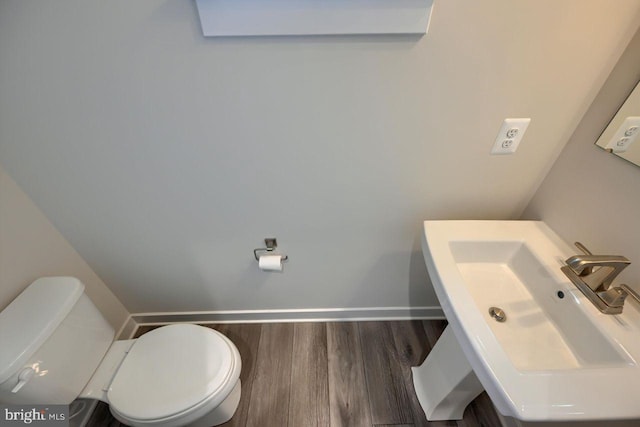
[622, 135]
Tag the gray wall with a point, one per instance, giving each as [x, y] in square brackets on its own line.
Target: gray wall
[30, 247]
[164, 158]
[590, 195]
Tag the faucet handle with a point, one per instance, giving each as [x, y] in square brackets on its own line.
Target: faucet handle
[582, 248]
[633, 294]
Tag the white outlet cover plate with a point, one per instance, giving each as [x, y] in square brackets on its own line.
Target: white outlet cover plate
[506, 145]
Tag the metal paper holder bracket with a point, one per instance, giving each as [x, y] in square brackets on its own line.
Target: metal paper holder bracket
[271, 244]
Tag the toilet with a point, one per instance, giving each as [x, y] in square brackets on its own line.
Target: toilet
[57, 346]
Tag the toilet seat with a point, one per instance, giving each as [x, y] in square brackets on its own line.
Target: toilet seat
[173, 372]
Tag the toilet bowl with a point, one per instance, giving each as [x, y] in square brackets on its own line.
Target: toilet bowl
[171, 376]
[57, 347]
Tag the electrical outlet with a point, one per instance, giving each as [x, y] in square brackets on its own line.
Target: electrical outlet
[510, 136]
[511, 133]
[626, 134]
[507, 143]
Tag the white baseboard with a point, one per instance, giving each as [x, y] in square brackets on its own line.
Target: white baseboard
[127, 329]
[290, 315]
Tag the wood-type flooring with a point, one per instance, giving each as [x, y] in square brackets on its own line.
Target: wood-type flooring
[332, 374]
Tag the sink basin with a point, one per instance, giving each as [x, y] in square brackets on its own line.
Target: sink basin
[546, 328]
[554, 356]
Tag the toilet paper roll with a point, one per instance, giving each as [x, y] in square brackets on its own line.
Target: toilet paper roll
[270, 263]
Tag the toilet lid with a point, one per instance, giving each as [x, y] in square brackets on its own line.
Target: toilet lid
[172, 369]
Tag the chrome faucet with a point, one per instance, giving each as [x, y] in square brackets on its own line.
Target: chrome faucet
[594, 274]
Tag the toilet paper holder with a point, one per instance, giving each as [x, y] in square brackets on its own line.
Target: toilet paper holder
[271, 244]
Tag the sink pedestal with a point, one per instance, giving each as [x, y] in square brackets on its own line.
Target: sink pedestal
[445, 382]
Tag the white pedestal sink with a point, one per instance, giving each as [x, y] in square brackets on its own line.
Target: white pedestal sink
[554, 358]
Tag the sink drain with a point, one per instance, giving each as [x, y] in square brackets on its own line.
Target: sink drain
[498, 314]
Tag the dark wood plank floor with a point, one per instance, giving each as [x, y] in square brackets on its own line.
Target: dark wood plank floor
[348, 391]
[331, 375]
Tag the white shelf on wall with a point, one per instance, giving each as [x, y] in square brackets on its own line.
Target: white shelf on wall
[313, 17]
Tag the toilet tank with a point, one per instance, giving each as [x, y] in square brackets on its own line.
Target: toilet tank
[52, 340]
